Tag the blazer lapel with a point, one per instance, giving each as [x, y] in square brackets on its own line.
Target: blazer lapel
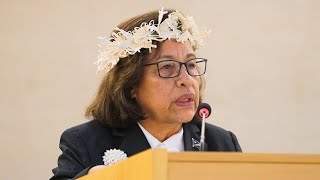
[191, 137]
[133, 140]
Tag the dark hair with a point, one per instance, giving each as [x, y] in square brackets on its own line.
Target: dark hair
[113, 105]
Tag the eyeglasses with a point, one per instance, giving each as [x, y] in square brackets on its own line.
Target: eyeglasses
[171, 68]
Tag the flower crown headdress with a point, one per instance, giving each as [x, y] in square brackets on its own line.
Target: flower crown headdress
[125, 43]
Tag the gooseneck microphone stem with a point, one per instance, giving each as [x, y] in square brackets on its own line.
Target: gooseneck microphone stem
[204, 111]
[202, 137]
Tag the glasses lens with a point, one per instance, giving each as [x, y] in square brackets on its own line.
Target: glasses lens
[168, 68]
[196, 67]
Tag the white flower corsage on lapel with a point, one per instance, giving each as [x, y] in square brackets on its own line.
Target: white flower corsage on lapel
[113, 156]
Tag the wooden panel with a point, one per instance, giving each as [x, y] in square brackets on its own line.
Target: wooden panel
[243, 157]
[223, 166]
[160, 165]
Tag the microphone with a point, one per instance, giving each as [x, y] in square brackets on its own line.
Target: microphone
[204, 111]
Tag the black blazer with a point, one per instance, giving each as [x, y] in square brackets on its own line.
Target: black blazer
[84, 145]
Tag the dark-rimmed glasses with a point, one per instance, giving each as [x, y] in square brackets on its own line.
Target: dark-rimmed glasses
[172, 68]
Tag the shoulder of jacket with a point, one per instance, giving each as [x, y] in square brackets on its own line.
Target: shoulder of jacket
[86, 127]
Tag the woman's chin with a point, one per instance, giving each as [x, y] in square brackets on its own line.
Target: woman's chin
[184, 118]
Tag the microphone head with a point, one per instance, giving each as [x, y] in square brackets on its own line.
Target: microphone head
[204, 108]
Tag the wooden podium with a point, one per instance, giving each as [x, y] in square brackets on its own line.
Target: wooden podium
[158, 164]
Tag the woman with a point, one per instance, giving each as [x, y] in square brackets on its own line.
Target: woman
[148, 98]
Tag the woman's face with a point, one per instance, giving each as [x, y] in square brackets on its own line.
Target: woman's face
[169, 100]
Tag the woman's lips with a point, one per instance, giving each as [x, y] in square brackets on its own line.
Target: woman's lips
[185, 100]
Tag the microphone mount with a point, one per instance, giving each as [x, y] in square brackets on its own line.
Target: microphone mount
[204, 111]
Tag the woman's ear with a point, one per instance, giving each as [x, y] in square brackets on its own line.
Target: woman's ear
[134, 93]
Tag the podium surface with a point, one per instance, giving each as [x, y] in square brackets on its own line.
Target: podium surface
[158, 164]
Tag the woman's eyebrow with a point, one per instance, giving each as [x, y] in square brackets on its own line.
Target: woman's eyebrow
[189, 55]
[166, 57]
[171, 57]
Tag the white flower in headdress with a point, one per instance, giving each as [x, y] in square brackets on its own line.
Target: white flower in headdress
[186, 22]
[113, 156]
[161, 13]
[142, 37]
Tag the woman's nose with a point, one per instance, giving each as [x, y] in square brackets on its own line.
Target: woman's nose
[184, 79]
